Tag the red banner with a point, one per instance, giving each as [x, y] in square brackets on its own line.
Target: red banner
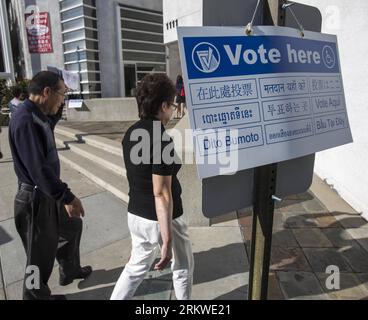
[39, 32]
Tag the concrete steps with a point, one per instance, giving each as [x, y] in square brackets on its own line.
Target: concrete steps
[98, 158]
[104, 158]
[108, 145]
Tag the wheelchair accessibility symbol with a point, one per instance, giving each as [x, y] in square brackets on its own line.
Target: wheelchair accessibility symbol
[329, 58]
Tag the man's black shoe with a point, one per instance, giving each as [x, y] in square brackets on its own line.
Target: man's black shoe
[82, 273]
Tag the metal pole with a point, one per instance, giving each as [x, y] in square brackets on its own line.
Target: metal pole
[263, 210]
[80, 74]
[263, 206]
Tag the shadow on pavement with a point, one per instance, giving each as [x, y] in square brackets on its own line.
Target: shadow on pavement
[309, 239]
[210, 265]
[4, 237]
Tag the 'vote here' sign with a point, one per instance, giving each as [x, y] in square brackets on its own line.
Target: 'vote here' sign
[266, 98]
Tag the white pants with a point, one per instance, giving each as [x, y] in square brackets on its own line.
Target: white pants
[146, 240]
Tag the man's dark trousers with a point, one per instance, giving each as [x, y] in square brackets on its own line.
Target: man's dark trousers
[46, 232]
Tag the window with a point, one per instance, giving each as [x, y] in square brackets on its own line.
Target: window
[81, 14]
[136, 35]
[91, 87]
[74, 35]
[72, 46]
[69, 3]
[73, 24]
[148, 67]
[139, 14]
[85, 76]
[142, 56]
[135, 25]
[143, 50]
[73, 13]
[143, 46]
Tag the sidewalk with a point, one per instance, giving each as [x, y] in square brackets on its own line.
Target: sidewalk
[311, 231]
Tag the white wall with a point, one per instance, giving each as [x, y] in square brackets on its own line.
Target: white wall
[346, 167]
[188, 13]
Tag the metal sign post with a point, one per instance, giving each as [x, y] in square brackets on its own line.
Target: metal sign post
[263, 210]
[263, 206]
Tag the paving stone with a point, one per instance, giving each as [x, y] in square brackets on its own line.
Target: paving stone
[299, 220]
[284, 238]
[349, 220]
[105, 221]
[278, 221]
[245, 220]
[7, 195]
[300, 285]
[7, 174]
[304, 196]
[363, 278]
[274, 290]
[1, 278]
[14, 291]
[314, 205]
[226, 220]
[288, 259]
[247, 233]
[360, 235]
[350, 285]
[339, 237]
[4, 237]
[356, 257]
[154, 290]
[325, 220]
[311, 238]
[221, 262]
[232, 287]
[321, 258]
[291, 206]
[13, 257]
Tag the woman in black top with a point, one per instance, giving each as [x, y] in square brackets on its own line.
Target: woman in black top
[155, 208]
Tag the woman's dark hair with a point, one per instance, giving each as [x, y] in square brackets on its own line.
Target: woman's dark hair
[16, 91]
[42, 80]
[153, 90]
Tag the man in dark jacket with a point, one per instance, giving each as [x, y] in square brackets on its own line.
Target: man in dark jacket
[47, 214]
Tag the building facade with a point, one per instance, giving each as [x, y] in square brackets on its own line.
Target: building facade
[112, 44]
[6, 57]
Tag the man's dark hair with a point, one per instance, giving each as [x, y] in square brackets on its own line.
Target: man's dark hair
[16, 91]
[153, 90]
[42, 80]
